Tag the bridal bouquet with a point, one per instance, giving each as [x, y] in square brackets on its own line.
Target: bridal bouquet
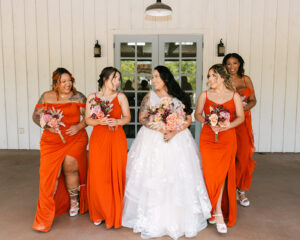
[167, 116]
[219, 116]
[100, 109]
[51, 118]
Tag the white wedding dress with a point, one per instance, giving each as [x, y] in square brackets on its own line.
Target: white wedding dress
[165, 192]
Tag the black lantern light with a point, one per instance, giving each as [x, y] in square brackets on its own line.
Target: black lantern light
[97, 49]
[221, 49]
[159, 9]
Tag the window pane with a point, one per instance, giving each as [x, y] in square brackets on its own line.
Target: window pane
[188, 49]
[188, 83]
[138, 127]
[132, 113]
[171, 49]
[144, 66]
[188, 67]
[192, 129]
[127, 83]
[131, 98]
[144, 49]
[129, 131]
[127, 49]
[127, 67]
[144, 83]
[140, 97]
[192, 96]
[173, 65]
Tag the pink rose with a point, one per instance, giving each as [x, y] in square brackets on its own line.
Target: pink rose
[213, 120]
[53, 123]
[171, 121]
[100, 115]
[46, 117]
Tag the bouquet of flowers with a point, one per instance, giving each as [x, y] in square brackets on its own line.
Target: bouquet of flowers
[219, 116]
[100, 108]
[167, 116]
[51, 118]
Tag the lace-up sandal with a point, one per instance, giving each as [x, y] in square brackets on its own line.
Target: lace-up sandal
[74, 203]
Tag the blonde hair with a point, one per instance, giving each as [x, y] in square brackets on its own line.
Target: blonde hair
[223, 72]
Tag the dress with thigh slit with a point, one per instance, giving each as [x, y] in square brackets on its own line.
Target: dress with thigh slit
[218, 159]
[54, 201]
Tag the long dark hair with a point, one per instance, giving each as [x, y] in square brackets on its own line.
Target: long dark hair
[104, 75]
[173, 87]
[241, 70]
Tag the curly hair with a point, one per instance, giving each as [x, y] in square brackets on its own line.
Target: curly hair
[56, 79]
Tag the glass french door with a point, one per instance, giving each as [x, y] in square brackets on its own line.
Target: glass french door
[136, 57]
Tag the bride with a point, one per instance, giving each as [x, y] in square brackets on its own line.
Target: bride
[165, 192]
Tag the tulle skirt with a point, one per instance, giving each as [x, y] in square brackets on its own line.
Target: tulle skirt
[165, 192]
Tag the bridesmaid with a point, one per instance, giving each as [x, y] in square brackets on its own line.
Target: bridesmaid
[245, 142]
[59, 192]
[218, 158]
[107, 152]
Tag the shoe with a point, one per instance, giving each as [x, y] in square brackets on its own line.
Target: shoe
[97, 223]
[74, 210]
[74, 203]
[212, 220]
[244, 202]
[221, 227]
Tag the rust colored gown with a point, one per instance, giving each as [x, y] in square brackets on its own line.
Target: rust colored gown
[53, 203]
[107, 171]
[218, 160]
[245, 164]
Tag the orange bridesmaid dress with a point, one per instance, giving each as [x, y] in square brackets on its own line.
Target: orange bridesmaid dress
[245, 164]
[53, 203]
[218, 161]
[107, 171]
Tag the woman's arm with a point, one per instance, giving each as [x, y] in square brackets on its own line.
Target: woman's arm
[239, 111]
[38, 111]
[125, 112]
[252, 99]
[200, 107]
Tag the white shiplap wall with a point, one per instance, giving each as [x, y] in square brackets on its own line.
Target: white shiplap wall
[36, 36]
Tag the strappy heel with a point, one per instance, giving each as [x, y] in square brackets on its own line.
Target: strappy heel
[244, 202]
[221, 227]
[74, 203]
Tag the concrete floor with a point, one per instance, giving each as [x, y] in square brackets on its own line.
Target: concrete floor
[274, 212]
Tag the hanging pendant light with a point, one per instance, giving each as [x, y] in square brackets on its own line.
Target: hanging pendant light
[159, 9]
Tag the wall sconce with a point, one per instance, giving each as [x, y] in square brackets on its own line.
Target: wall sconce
[97, 50]
[221, 49]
